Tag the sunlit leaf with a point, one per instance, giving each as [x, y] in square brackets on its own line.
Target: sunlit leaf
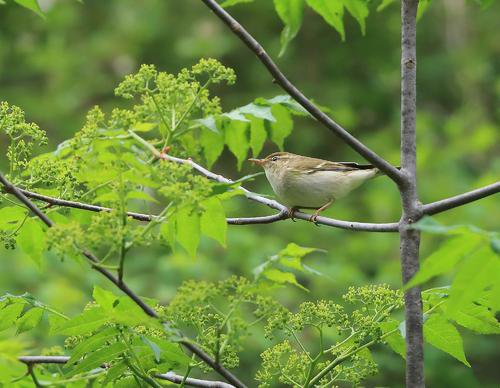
[395, 341]
[188, 230]
[237, 141]
[258, 135]
[213, 220]
[97, 358]
[32, 241]
[332, 11]
[475, 317]
[29, 320]
[85, 323]
[92, 343]
[359, 11]
[283, 126]
[9, 315]
[31, 5]
[444, 336]
[291, 13]
[280, 277]
[212, 144]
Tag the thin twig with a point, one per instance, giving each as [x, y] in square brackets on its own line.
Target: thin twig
[170, 376]
[10, 188]
[297, 95]
[461, 199]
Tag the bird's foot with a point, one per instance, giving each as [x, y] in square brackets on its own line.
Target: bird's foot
[314, 219]
[291, 213]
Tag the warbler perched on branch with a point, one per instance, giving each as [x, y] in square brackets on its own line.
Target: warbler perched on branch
[301, 182]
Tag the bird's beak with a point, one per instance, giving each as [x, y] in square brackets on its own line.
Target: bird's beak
[259, 162]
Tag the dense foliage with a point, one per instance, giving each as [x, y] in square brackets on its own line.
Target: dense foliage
[318, 338]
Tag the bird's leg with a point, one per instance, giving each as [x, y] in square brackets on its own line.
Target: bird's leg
[291, 212]
[314, 217]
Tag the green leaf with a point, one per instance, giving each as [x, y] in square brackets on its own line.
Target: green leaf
[385, 4]
[229, 3]
[142, 195]
[144, 127]
[429, 225]
[11, 215]
[258, 111]
[422, 7]
[209, 123]
[32, 240]
[97, 358]
[280, 277]
[332, 11]
[32, 5]
[292, 255]
[478, 272]
[92, 343]
[475, 317]
[236, 140]
[395, 341]
[213, 220]
[9, 315]
[289, 102]
[167, 230]
[258, 135]
[359, 11]
[29, 320]
[283, 127]
[154, 348]
[105, 299]
[445, 258]
[188, 230]
[291, 14]
[212, 144]
[134, 177]
[85, 323]
[444, 336]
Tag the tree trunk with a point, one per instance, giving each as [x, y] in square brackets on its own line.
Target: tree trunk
[410, 239]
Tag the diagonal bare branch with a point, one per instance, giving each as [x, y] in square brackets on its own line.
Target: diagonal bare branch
[169, 376]
[461, 199]
[122, 285]
[298, 96]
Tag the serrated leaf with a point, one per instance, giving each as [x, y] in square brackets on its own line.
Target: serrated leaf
[29, 319]
[475, 317]
[280, 277]
[423, 5]
[142, 195]
[210, 123]
[258, 111]
[258, 135]
[212, 144]
[97, 358]
[90, 344]
[213, 220]
[32, 240]
[445, 258]
[144, 127]
[237, 141]
[332, 11]
[289, 102]
[291, 14]
[478, 272]
[230, 3]
[283, 126]
[11, 215]
[395, 341]
[444, 336]
[359, 11]
[9, 315]
[188, 230]
[85, 323]
[32, 5]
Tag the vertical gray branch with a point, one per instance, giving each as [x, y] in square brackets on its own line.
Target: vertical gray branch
[410, 238]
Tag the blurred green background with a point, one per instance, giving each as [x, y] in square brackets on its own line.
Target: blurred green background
[59, 68]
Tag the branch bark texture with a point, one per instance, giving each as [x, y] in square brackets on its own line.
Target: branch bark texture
[169, 376]
[122, 285]
[410, 238]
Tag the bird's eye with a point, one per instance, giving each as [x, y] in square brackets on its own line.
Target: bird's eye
[274, 158]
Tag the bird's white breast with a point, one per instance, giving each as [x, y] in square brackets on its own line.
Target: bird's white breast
[316, 189]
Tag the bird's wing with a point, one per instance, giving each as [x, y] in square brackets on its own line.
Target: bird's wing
[339, 166]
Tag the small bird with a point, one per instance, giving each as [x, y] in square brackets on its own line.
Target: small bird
[301, 182]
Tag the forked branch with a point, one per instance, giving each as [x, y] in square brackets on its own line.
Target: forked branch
[298, 96]
[10, 188]
[169, 376]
